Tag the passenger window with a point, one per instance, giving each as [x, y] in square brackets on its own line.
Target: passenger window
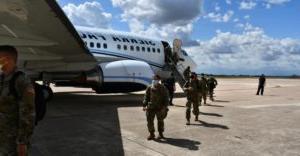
[105, 46]
[92, 44]
[153, 50]
[158, 50]
[98, 45]
[119, 46]
[132, 48]
[149, 49]
[137, 48]
[125, 47]
[143, 49]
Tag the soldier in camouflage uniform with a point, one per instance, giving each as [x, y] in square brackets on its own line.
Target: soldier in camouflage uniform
[203, 89]
[16, 114]
[211, 84]
[156, 104]
[192, 90]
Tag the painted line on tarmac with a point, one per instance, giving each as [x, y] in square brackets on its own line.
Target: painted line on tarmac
[270, 105]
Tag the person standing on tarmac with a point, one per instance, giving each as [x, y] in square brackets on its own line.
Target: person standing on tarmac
[16, 111]
[170, 85]
[261, 85]
[211, 84]
[203, 89]
[192, 88]
[156, 104]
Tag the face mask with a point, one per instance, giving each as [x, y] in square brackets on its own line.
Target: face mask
[155, 82]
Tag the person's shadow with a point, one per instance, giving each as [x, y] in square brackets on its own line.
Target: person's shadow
[183, 143]
[211, 114]
[210, 125]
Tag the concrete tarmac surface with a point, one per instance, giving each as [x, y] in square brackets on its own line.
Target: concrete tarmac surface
[237, 123]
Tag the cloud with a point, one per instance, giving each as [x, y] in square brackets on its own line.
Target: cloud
[228, 2]
[167, 19]
[247, 5]
[218, 17]
[269, 3]
[251, 51]
[88, 14]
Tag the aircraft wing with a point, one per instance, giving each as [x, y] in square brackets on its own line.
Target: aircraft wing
[45, 38]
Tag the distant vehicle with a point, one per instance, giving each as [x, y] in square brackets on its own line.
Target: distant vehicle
[52, 50]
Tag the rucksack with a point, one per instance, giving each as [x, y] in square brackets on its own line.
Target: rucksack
[39, 100]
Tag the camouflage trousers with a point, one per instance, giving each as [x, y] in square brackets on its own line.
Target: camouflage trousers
[160, 116]
[202, 96]
[192, 102]
[211, 93]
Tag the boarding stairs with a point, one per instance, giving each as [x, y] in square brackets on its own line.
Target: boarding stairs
[178, 74]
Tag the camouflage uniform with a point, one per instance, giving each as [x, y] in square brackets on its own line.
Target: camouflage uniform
[211, 84]
[203, 90]
[16, 116]
[156, 100]
[192, 89]
[186, 74]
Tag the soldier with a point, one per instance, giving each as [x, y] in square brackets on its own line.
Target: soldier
[211, 84]
[187, 73]
[192, 89]
[16, 107]
[170, 85]
[156, 104]
[261, 85]
[203, 89]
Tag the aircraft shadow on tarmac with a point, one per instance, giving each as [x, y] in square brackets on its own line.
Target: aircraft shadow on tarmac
[82, 124]
[211, 125]
[183, 143]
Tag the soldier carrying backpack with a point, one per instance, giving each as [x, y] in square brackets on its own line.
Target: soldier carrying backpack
[17, 105]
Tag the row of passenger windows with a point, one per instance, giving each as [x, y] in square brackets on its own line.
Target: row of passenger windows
[97, 45]
[138, 48]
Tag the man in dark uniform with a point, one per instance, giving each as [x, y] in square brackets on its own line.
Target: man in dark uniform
[170, 85]
[156, 104]
[16, 109]
[261, 85]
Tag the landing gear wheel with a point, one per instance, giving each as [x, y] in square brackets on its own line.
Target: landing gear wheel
[97, 90]
[48, 92]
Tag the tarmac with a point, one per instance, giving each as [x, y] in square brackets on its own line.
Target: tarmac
[238, 122]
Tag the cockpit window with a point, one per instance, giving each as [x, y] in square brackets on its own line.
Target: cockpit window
[184, 52]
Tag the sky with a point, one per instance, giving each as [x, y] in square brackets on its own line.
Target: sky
[223, 36]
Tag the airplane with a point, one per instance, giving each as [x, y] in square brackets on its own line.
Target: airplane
[52, 50]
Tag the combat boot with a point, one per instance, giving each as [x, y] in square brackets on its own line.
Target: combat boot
[196, 118]
[161, 135]
[188, 122]
[151, 136]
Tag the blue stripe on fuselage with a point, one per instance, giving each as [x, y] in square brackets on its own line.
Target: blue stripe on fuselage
[94, 51]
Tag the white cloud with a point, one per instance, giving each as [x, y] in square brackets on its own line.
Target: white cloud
[218, 17]
[251, 50]
[164, 19]
[88, 14]
[269, 3]
[247, 17]
[247, 5]
[217, 7]
[228, 2]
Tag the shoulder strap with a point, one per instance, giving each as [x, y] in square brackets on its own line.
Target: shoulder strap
[12, 84]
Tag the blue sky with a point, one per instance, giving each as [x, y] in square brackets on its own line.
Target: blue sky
[223, 36]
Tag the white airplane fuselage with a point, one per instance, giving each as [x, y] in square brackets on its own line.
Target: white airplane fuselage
[128, 61]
